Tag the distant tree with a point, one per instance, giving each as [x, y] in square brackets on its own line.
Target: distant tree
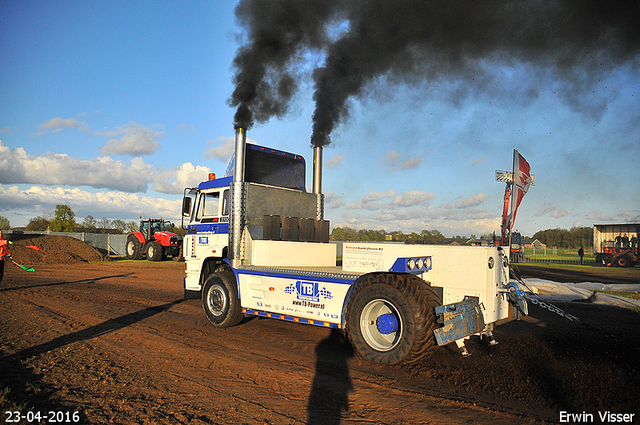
[64, 220]
[119, 225]
[562, 238]
[4, 223]
[132, 226]
[89, 223]
[431, 237]
[104, 223]
[39, 224]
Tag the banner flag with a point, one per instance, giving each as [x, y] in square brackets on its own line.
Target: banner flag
[521, 183]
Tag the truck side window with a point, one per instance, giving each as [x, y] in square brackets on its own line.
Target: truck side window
[225, 202]
[209, 206]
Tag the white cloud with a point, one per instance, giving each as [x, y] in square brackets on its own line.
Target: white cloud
[58, 124]
[223, 148]
[16, 166]
[392, 159]
[175, 180]
[333, 201]
[186, 128]
[373, 196]
[82, 202]
[479, 160]
[370, 200]
[335, 162]
[552, 211]
[136, 140]
[468, 202]
[410, 163]
[413, 197]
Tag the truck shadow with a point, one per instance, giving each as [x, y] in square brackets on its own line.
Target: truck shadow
[16, 287]
[26, 383]
[331, 385]
[91, 332]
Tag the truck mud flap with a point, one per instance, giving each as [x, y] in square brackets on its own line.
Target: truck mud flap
[459, 320]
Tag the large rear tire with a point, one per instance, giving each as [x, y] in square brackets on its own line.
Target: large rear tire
[391, 318]
[133, 248]
[220, 300]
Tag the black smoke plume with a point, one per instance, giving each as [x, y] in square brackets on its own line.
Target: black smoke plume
[422, 42]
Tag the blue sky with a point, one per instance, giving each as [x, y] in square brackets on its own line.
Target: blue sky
[114, 107]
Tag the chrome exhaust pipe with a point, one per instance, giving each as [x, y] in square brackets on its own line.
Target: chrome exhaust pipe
[317, 182]
[238, 204]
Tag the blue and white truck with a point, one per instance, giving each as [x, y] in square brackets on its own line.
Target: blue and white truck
[257, 244]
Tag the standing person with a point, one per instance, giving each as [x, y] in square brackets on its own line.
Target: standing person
[618, 242]
[625, 241]
[581, 254]
[4, 252]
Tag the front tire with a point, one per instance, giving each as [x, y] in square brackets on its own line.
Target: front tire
[624, 261]
[154, 251]
[220, 300]
[391, 318]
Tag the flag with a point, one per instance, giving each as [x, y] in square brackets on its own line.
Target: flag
[521, 183]
[28, 269]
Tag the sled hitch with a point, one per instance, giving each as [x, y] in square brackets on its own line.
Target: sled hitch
[459, 320]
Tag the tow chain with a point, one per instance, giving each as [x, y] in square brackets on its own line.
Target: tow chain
[516, 294]
[537, 300]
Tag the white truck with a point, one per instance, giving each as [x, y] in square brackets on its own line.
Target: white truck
[257, 244]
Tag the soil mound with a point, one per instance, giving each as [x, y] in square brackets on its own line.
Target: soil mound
[51, 249]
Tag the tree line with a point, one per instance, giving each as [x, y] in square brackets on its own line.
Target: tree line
[561, 238]
[64, 220]
[573, 238]
[369, 235]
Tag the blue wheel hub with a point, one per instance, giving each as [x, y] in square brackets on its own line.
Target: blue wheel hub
[387, 323]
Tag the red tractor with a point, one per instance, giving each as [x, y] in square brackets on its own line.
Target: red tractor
[155, 240]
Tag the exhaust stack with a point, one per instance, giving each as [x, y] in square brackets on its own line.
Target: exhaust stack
[238, 196]
[317, 182]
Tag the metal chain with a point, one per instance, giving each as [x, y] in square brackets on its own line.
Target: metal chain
[535, 299]
[538, 300]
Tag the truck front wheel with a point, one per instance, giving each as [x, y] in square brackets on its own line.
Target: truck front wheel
[220, 300]
[391, 318]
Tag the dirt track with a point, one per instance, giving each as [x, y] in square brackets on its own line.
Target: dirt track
[116, 342]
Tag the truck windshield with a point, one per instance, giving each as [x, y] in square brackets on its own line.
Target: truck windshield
[272, 167]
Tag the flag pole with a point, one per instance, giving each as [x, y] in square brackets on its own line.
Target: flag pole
[513, 198]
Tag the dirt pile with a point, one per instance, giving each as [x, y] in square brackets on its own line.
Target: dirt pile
[51, 249]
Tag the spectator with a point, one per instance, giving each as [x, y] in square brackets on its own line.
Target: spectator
[4, 252]
[581, 254]
[625, 241]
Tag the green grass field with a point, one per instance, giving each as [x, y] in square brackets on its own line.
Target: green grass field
[559, 255]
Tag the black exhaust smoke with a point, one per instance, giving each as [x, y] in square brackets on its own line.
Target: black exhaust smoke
[565, 43]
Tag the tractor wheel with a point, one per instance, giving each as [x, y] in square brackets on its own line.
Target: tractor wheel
[154, 251]
[623, 261]
[220, 300]
[391, 318]
[133, 248]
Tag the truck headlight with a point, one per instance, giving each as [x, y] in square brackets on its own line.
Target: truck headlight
[411, 264]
